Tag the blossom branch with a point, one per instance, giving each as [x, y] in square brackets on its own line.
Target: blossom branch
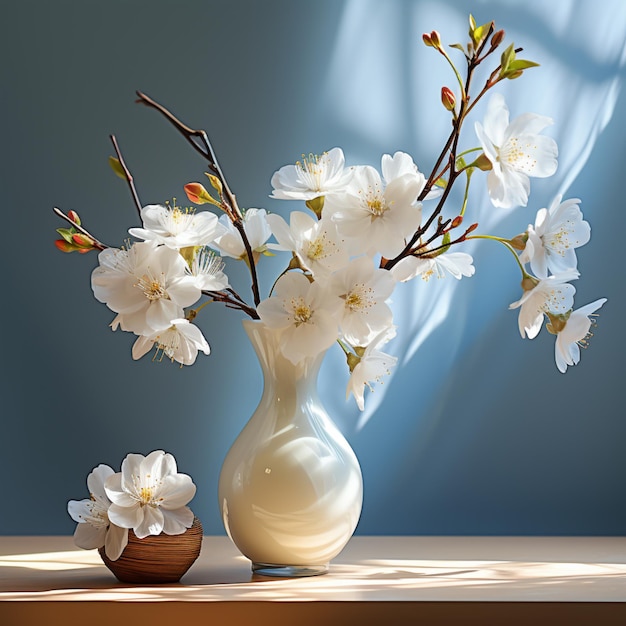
[127, 174]
[200, 142]
[232, 301]
[96, 243]
[450, 149]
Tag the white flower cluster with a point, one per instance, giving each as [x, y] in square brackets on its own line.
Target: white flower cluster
[360, 233]
[339, 283]
[148, 496]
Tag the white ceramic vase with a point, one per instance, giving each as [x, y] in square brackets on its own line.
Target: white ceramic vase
[290, 489]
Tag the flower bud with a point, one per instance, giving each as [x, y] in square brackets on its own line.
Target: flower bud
[198, 194]
[529, 283]
[483, 163]
[456, 222]
[64, 246]
[74, 217]
[432, 40]
[519, 241]
[497, 38]
[82, 241]
[448, 98]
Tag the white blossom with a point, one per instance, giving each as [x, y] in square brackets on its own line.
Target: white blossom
[373, 217]
[180, 342]
[147, 285]
[206, 268]
[305, 314]
[257, 230]
[176, 227]
[553, 294]
[552, 241]
[312, 177]
[516, 151]
[371, 367]
[363, 290]
[316, 243]
[94, 529]
[574, 334]
[150, 496]
[458, 264]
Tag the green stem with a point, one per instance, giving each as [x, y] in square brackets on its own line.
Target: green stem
[456, 72]
[462, 154]
[506, 243]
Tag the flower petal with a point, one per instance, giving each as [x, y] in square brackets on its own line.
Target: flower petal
[177, 521]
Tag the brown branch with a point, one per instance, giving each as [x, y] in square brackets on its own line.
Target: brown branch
[232, 303]
[127, 174]
[199, 140]
[96, 243]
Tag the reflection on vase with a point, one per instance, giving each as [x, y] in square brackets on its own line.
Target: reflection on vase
[290, 489]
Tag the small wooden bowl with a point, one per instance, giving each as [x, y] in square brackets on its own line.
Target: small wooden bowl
[157, 559]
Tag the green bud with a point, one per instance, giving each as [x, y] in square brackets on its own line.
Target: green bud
[316, 205]
[116, 166]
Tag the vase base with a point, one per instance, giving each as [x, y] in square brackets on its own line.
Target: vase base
[288, 571]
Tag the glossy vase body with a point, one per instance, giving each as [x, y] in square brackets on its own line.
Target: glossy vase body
[290, 489]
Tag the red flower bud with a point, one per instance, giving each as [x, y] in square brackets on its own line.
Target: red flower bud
[448, 98]
[82, 241]
[64, 246]
[456, 221]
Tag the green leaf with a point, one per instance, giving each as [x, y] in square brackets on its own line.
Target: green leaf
[445, 242]
[458, 46]
[67, 234]
[478, 33]
[116, 166]
[507, 57]
[521, 64]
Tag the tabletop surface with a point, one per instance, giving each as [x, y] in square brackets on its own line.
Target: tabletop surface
[450, 569]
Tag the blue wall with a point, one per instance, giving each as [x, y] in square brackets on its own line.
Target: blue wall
[477, 433]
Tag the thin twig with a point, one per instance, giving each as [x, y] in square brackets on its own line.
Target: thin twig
[200, 142]
[231, 303]
[127, 174]
[96, 243]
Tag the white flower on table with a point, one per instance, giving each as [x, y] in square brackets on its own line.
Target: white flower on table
[315, 242]
[150, 496]
[180, 342]
[572, 333]
[516, 151]
[305, 313]
[363, 289]
[370, 367]
[552, 241]
[147, 285]
[374, 217]
[94, 529]
[549, 295]
[177, 228]
[458, 264]
[312, 177]
[257, 230]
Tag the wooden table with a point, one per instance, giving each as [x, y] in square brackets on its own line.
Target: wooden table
[375, 580]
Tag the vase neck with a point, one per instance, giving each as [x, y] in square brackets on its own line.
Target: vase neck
[277, 369]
